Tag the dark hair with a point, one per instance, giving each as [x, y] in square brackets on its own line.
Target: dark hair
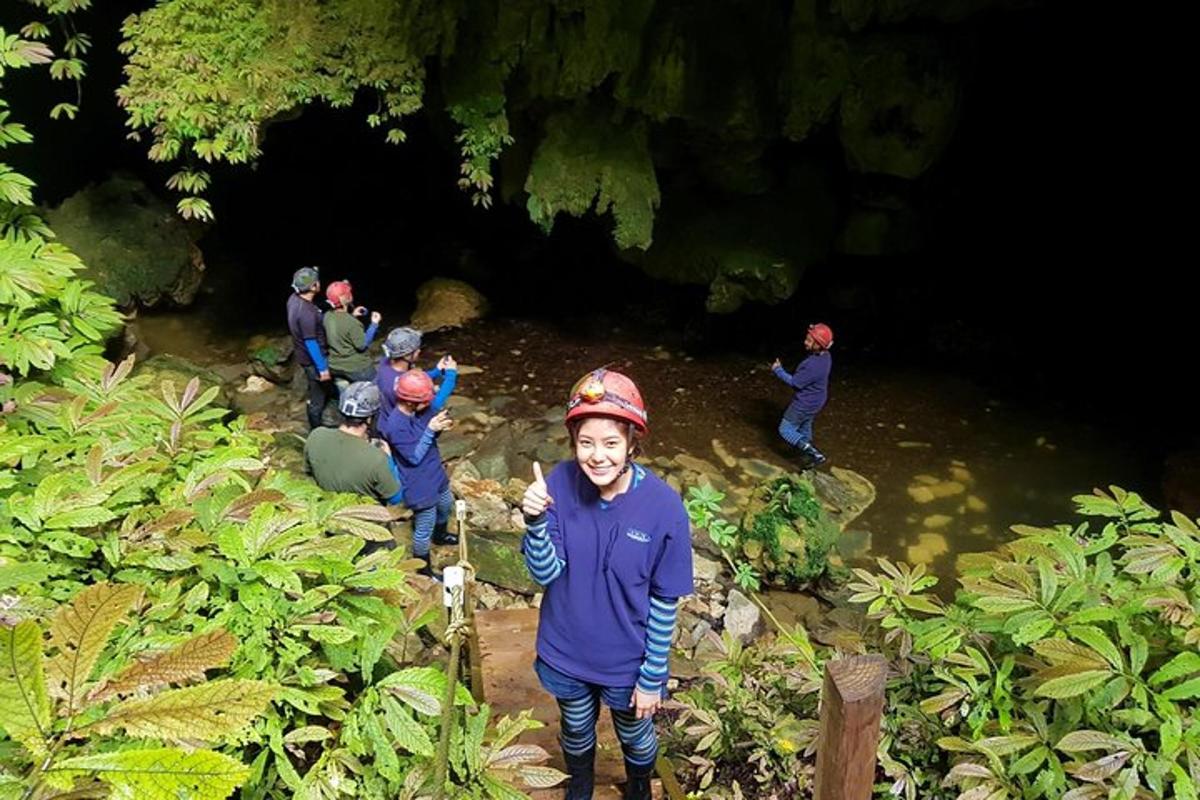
[352, 422]
[632, 435]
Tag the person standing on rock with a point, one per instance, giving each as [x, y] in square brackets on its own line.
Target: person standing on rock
[344, 459]
[308, 336]
[412, 430]
[401, 349]
[611, 543]
[811, 384]
[348, 342]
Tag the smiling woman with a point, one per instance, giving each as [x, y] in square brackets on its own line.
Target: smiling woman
[611, 543]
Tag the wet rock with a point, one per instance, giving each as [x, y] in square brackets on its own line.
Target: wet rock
[502, 453]
[501, 402]
[702, 542]
[723, 455]
[486, 507]
[708, 649]
[976, 504]
[136, 248]
[454, 443]
[271, 357]
[947, 489]
[232, 373]
[758, 470]
[937, 521]
[256, 384]
[743, 619]
[843, 493]
[552, 452]
[854, 544]
[705, 569]
[498, 560]
[961, 474]
[446, 303]
[692, 631]
[791, 608]
[462, 406]
[698, 465]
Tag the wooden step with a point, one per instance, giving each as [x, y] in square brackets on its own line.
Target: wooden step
[506, 647]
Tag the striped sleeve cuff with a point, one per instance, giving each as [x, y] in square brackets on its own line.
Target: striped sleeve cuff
[543, 563]
[660, 629]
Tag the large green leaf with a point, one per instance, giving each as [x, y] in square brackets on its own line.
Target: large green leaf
[161, 774]
[1072, 685]
[79, 630]
[207, 712]
[24, 703]
[189, 660]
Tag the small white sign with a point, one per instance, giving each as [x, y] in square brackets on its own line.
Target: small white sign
[452, 578]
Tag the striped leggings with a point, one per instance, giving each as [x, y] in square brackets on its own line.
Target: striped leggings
[639, 741]
[425, 519]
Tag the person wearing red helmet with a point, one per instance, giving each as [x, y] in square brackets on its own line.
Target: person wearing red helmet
[611, 543]
[344, 335]
[811, 384]
[411, 431]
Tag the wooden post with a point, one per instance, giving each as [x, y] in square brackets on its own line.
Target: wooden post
[851, 708]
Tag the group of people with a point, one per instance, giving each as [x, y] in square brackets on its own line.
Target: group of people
[389, 414]
[607, 539]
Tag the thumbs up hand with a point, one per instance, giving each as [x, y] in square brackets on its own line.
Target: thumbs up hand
[537, 496]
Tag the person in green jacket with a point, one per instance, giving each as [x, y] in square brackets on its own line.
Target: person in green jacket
[345, 337]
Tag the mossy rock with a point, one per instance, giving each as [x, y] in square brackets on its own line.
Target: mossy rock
[136, 248]
[786, 533]
[497, 559]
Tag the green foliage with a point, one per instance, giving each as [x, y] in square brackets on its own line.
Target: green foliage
[61, 727]
[592, 160]
[786, 533]
[785, 538]
[582, 87]
[1066, 666]
[205, 76]
[125, 492]
[756, 706]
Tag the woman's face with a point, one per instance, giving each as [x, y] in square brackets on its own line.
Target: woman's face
[601, 449]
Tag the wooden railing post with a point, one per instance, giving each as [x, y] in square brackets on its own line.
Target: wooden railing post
[851, 709]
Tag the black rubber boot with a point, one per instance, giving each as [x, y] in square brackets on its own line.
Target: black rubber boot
[582, 769]
[811, 457]
[442, 535]
[637, 781]
[427, 570]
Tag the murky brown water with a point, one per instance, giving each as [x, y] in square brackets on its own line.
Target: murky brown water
[953, 470]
